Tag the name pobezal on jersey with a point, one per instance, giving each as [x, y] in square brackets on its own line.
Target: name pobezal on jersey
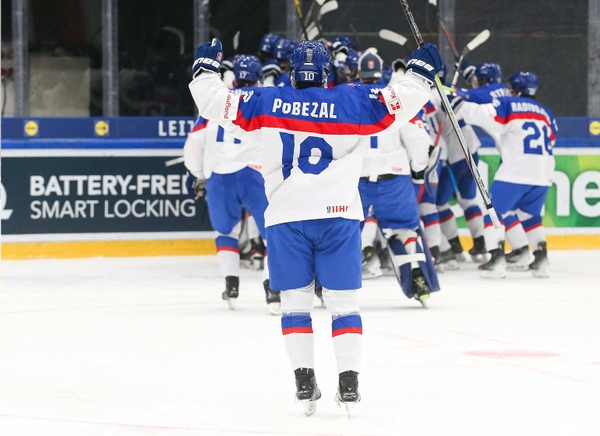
[305, 109]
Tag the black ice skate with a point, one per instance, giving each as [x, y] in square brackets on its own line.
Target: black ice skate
[518, 259]
[273, 299]
[347, 393]
[539, 267]
[307, 390]
[371, 265]
[232, 290]
[478, 250]
[252, 256]
[420, 287]
[437, 258]
[319, 293]
[448, 260]
[457, 249]
[495, 268]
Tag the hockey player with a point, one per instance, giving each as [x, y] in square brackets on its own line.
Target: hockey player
[283, 51]
[386, 186]
[271, 71]
[488, 86]
[351, 67]
[527, 132]
[229, 170]
[312, 160]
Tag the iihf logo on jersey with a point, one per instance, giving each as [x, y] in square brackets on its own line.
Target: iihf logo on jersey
[337, 209]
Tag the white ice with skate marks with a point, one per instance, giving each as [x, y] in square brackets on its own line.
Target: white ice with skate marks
[147, 346]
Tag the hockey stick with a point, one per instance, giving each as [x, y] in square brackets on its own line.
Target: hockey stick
[445, 29]
[461, 138]
[301, 18]
[394, 37]
[475, 42]
[177, 160]
[313, 27]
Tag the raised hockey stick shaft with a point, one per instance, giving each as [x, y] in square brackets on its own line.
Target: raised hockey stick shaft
[448, 108]
[301, 18]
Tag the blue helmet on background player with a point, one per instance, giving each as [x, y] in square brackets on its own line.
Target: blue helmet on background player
[524, 83]
[266, 48]
[351, 68]
[310, 65]
[342, 44]
[247, 68]
[488, 72]
[283, 51]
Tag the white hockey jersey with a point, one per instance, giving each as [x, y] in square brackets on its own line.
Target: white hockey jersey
[526, 132]
[312, 156]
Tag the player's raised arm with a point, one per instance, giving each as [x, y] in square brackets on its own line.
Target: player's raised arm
[407, 94]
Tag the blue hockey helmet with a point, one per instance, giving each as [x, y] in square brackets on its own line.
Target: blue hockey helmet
[284, 48]
[248, 68]
[268, 43]
[310, 64]
[488, 72]
[352, 59]
[524, 83]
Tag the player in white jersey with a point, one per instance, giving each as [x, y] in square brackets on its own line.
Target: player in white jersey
[230, 170]
[392, 161]
[312, 159]
[527, 132]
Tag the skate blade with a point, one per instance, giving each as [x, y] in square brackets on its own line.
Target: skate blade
[347, 407]
[424, 302]
[517, 267]
[541, 273]
[275, 308]
[460, 257]
[231, 303]
[310, 406]
[493, 274]
[388, 272]
[451, 265]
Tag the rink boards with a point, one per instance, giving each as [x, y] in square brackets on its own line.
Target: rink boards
[114, 187]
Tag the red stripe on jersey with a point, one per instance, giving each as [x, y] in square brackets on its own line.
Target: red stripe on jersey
[324, 128]
[297, 330]
[526, 116]
[371, 220]
[430, 223]
[410, 240]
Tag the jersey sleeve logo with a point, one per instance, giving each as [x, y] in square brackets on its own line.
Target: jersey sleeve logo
[392, 100]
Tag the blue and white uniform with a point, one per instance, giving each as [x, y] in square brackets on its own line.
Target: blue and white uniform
[527, 132]
[231, 168]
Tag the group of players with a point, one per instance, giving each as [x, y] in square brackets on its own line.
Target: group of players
[294, 159]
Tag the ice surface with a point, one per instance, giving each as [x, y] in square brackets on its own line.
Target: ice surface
[146, 346]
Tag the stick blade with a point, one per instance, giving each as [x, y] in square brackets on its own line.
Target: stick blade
[478, 40]
[394, 37]
[328, 7]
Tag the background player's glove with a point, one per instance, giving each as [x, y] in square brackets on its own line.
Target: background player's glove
[398, 64]
[426, 62]
[226, 65]
[466, 69]
[208, 58]
[196, 187]
[271, 68]
[418, 177]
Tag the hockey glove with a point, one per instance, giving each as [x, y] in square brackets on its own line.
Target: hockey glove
[208, 58]
[271, 68]
[196, 187]
[425, 62]
[226, 65]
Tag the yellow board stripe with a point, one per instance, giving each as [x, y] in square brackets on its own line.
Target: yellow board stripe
[199, 247]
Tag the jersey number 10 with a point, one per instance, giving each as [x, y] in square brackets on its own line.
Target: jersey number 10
[306, 148]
